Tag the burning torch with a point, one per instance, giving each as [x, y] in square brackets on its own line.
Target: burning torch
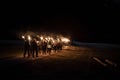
[29, 38]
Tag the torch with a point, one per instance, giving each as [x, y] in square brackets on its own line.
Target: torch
[29, 38]
[23, 37]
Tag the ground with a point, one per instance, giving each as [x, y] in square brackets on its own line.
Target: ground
[73, 63]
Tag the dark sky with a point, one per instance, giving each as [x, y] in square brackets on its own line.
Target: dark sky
[86, 22]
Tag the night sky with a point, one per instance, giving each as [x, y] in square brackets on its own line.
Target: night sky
[83, 22]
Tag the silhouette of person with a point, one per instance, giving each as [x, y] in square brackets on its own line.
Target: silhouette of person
[55, 47]
[49, 47]
[26, 48]
[34, 48]
[44, 46]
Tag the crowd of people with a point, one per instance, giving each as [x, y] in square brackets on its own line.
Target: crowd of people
[33, 46]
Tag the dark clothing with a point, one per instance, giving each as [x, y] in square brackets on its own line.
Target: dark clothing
[55, 47]
[59, 46]
[34, 48]
[26, 48]
[44, 47]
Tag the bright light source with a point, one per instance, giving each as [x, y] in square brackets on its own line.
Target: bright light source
[37, 42]
[41, 38]
[46, 38]
[66, 40]
[29, 38]
[23, 37]
[54, 38]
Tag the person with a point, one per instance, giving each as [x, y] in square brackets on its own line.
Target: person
[60, 46]
[34, 48]
[26, 48]
[44, 45]
[39, 46]
[49, 47]
[55, 47]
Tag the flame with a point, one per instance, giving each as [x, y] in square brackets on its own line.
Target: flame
[23, 37]
[66, 40]
[41, 37]
[54, 38]
[29, 38]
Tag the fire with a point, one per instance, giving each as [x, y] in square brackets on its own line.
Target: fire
[29, 38]
[47, 38]
[66, 40]
[23, 37]
[41, 38]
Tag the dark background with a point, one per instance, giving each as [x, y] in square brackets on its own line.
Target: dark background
[84, 21]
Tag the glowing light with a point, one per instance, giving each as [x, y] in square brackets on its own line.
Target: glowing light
[23, 37]
[53, 41]
[58, 40]
[46, 38]
[37, 42]
[66, 40]
[53, 38]
[41, 38]
[29, 38]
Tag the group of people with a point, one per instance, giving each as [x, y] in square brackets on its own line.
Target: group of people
[34, 47]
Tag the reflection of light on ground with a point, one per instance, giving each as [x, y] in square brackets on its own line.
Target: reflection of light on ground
[20, 54]
[66, 47]
[68, 53]
[40, 55]
[65, 52]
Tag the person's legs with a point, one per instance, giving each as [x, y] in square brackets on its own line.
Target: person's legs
[28, 52]
[33, 53]
[36, 52]
[49, 51]
[44, 51]
[25, 50]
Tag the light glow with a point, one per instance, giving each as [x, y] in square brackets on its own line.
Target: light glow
[41, 38]
[66, 40]
[29, 38]
[23, 37]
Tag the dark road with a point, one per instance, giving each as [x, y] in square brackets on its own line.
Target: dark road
[72, 63]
